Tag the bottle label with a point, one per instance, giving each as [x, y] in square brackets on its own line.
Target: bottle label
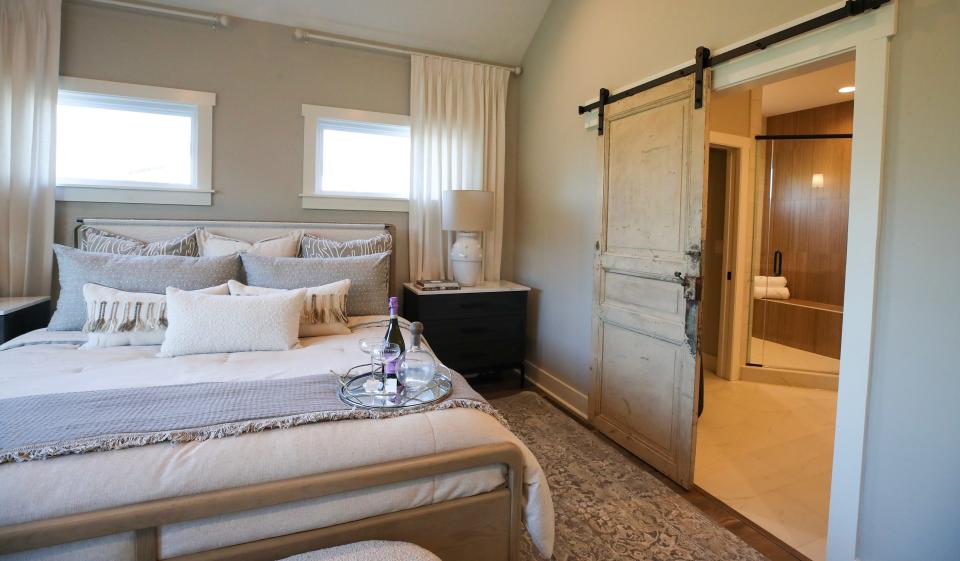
[390, 386]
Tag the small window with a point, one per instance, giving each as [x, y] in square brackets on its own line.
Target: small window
[129, 143]
[356, 160]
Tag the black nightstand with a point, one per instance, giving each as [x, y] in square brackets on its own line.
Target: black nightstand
[20, 315]
[473, 329]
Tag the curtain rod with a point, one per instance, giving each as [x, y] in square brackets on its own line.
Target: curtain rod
[216, 20]
[306, 36]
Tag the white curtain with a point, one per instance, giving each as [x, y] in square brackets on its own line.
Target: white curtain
[29, 69]
[457, 121]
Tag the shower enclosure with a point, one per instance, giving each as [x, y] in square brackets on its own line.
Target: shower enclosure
[799, 253]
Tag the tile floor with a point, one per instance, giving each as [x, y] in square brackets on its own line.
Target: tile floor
[766, 451]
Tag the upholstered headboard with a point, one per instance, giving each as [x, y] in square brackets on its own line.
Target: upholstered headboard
[249, 231]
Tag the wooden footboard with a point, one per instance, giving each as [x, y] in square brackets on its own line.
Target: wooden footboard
[483, 527]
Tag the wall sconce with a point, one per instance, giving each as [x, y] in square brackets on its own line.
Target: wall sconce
[817, 181]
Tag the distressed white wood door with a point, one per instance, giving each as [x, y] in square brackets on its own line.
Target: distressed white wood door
[646, 273]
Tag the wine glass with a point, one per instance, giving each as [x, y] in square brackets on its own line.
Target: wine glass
[367, 344]
[382, 354]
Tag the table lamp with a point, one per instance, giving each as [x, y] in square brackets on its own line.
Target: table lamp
[467, 212]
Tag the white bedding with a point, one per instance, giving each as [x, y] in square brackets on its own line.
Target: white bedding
[85, 482]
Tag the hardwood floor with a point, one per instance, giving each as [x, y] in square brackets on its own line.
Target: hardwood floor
[503, 384]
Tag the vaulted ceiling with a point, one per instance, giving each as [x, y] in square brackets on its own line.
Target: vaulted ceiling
[491, 30]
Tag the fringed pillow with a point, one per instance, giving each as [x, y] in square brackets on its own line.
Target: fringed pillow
[117, 318]
[324, 307]
[312, 245]
[102, 241]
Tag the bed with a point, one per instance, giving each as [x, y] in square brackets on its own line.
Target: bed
[454, 481]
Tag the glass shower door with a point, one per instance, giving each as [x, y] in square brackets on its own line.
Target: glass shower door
[799, 254]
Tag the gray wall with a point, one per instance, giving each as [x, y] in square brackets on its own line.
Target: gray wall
[911, 504]
[261, 77]
[911, 491]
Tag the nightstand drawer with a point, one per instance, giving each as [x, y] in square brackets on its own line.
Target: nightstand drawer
[460, 306]
[475, 329]
[468, 356]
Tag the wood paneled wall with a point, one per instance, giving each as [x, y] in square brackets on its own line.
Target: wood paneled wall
[807, 225]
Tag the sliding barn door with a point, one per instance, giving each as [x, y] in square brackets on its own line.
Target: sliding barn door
[647, 270]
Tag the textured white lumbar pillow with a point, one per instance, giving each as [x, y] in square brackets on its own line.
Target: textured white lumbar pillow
[204, 323]
[324, 307]
[117, 318]
[212, 245]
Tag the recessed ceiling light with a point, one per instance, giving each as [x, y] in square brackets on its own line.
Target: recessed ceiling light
[847, 89]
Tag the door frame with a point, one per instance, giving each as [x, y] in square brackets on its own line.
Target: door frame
[738, 235]
[868, 37]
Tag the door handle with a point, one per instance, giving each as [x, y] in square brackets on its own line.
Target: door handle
[777, 263]
[690, 284]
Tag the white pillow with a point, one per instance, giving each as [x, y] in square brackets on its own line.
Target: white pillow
[205, 323]
[212, 245]
[324, 307]
[118, 318]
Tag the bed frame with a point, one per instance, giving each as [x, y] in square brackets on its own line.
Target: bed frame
[484, 527]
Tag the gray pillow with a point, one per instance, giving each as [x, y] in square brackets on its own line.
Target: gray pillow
[312, 245]
[369, 276]
[134, 273]
[95, 239]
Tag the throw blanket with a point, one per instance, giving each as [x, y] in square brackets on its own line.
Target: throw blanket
[35, 427]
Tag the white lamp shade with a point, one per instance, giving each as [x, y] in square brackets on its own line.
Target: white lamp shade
[467, 210]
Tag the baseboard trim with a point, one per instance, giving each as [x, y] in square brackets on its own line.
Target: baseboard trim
[784, 377]
[709, 361]
[566, 396]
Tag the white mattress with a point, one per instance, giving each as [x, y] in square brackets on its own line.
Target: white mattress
[70, 484]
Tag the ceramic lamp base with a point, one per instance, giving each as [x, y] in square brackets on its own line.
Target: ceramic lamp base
[466, 258]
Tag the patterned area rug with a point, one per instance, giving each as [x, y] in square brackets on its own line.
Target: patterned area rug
[607, 508]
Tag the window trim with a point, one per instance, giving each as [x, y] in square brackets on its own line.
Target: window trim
[309, 197]
[201, 193]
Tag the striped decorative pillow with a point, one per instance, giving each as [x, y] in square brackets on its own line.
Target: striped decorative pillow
[102, 241]
[312, 245]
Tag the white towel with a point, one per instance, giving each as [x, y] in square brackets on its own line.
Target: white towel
[775, 293]
[770, 282]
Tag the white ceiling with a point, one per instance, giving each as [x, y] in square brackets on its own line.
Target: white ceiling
[813, 89]
[490, 30]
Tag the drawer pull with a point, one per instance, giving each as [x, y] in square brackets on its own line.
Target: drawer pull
[472, 305]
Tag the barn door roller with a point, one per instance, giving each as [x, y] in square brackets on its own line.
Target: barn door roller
[703, 60]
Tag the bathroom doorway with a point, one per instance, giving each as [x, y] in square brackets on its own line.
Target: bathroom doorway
[773, 274]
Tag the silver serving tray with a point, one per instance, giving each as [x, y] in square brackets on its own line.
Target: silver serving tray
[353, 393]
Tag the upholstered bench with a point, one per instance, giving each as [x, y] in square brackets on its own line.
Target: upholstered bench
[368, 551]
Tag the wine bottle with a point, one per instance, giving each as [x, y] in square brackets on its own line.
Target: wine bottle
[394, 335]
